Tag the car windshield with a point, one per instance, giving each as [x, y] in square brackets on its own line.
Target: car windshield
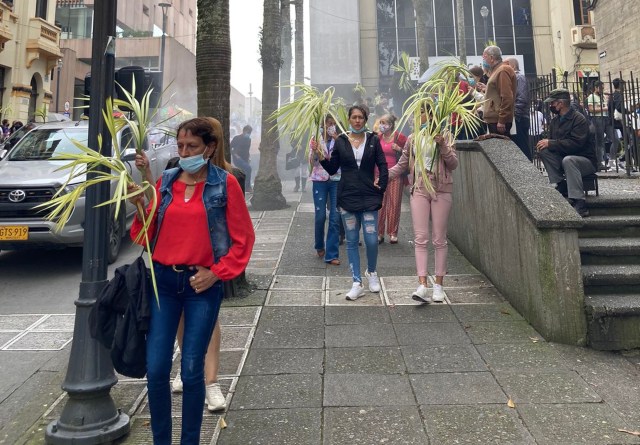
[45, 143]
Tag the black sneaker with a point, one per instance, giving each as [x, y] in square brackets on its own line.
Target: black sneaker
[581, 207]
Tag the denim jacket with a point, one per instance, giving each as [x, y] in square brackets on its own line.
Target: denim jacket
[214, 198]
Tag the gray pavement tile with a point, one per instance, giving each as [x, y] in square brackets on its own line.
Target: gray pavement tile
[295, 298]
[629, 410]
[41, 341]
[482, 332]
[245, 316]
[278, 391]
[345, 390]
[457, 388]
[18, 322]
[356, 315]
[260, 281]
[275, 335]
[520, 356]
[316, 272]
[57, 322]
[369, 425]
[253, 298]
[229, 362]
[485, 295]
[301, 426]
[141, 431]
[400, 283]
[266, 254]
[364, 360]
[486, 312]
[293, 316]
[293, 282]
[423, 359]
[360, 335]
[176, 401]
[235, 337]
[485, 424]
[461, 266]
[430, 333]
[261, 263]
[559, 386]
[422, 314]
[402, 298]
[475, 281]
[588, 423]
[6, 337]
[283, 361]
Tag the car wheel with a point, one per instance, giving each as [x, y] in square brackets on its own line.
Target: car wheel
[115, 233]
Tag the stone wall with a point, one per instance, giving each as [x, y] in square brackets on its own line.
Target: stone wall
[617, 33]
[513, 227]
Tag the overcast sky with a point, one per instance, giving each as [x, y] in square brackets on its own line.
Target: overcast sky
[245, 19]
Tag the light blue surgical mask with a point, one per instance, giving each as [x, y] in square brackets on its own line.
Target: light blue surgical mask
[192, 164]
[472, 82]
[352, 130]
[485, 65]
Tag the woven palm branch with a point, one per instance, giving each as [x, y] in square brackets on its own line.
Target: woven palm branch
[441, 98]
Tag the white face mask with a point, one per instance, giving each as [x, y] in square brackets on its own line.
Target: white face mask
[384, 128]
[331, 130]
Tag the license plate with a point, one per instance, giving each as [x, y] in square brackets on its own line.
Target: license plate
[14, 233]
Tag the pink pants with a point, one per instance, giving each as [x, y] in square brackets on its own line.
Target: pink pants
[423, 208]
[389, 214]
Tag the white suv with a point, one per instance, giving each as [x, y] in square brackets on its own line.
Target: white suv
[29, 177]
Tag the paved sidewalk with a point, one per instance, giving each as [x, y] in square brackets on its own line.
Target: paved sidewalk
[302, 365]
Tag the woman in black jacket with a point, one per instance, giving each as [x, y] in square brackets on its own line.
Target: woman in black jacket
[356, 154]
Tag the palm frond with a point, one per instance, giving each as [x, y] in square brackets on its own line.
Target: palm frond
[404, 68]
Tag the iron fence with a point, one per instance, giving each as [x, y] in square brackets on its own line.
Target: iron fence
[615, 126]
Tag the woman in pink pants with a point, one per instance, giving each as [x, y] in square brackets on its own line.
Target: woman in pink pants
[427, 206]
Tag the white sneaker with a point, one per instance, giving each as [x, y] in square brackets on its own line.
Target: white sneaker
[357, 291]
[214, 398]
[421, 294]
[374, 281]
[438, 293]
[176, 384]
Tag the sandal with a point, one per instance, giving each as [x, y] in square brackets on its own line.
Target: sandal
[320, 253]
[335, 262]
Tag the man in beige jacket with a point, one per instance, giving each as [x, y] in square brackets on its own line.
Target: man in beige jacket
[500, 91]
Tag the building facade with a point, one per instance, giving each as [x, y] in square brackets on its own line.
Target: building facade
[618, 36]
[29, 51]
[138, 43]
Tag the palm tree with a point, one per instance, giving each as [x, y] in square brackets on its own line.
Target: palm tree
[213, 61]
[285, 71]
[462, 39]
[299, 41]
[424, 18]
[267, 190]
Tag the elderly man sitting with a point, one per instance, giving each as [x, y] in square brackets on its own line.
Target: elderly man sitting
[569, 153]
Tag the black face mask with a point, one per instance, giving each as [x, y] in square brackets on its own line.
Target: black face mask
[553, 109]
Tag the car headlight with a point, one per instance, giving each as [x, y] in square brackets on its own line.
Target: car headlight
[71, 187]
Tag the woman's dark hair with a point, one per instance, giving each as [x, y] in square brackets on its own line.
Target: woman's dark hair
[476, 71]
[363, 109]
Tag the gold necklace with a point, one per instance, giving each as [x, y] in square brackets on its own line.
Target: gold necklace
[195, 180]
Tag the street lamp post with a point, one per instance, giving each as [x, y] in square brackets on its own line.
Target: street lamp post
[58, 85]
[165, 7]
[90, 416]
[250, 103]
[484, 12]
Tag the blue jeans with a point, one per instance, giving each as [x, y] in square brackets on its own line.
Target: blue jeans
[326, 192]
[200, 313]
[352, 222]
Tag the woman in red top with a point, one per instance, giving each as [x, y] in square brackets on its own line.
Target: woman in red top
[202, 234]
[392, 143]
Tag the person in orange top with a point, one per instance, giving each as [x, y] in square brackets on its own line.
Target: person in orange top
[201, 234]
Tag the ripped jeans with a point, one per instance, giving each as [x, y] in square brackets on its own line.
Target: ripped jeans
[369, 222]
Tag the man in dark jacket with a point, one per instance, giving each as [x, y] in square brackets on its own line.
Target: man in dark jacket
[569, 153]
[241, 156]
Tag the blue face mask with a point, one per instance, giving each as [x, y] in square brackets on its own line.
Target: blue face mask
[472, 82]
[192, 164]
[352, 130]
[485, 65]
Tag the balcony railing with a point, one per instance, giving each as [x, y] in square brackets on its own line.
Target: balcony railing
[43, 42]
[5, 28]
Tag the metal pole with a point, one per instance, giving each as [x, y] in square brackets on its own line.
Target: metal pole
[162, 46]
[58, 88]
[90, 415]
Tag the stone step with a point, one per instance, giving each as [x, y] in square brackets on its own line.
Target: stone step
[609, 250]
[599, 226]
[613, 321]
[614, 205]
[610, 275]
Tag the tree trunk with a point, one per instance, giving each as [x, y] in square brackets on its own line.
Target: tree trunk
[213, 62]
[462, 40]
[285, 71]
[267, 190]
[423, 20]
[299, 41]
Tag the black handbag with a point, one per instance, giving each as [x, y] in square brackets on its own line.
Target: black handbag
[291, 160]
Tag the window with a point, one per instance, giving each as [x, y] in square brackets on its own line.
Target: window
[41, 9]
[581, 12]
